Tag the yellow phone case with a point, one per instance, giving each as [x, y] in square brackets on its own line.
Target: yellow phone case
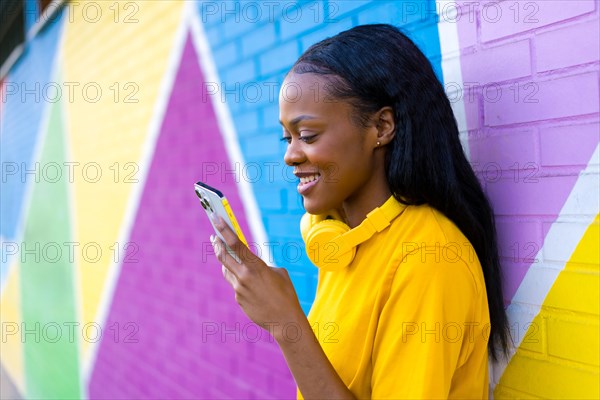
[236, 226]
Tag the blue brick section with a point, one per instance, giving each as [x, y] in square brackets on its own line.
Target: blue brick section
[297, 21]
[225, 55]
[255, 43]
[258, 40]
[399, 13]
[328, 30]
[336, 9]
[31, 11]
[242, 72]
[279, 58]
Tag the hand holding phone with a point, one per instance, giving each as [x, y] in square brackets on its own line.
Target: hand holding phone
[214, 203]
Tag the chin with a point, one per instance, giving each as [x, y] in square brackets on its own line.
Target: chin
[311, 207]
[316, 207]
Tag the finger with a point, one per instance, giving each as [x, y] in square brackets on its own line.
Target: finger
[234, 242]
[229, 276]
[280, 271]
[224, 257]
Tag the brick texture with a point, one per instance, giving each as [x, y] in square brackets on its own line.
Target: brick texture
[534, 126]
[530, 74]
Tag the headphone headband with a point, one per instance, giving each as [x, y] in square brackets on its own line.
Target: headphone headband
[331, 244]
[376, 221]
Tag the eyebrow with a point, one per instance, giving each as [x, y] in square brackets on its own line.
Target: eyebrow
[298, 119]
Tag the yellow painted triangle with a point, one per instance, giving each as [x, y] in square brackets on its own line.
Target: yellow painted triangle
[114, 62]
[560, 354]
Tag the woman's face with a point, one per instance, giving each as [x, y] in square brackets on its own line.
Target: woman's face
[333, 157]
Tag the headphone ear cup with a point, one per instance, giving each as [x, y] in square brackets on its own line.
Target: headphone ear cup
[306, 223]
[321, 248]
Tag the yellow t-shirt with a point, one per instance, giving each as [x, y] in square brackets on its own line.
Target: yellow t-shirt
[408, 319]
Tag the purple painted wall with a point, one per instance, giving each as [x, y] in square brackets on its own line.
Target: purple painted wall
[532, 113]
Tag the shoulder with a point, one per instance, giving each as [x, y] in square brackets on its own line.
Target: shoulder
[426, 224]
[430, 247]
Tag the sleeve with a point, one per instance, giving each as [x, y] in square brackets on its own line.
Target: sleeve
[421, 329]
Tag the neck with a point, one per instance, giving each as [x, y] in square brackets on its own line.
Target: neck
[356, 208]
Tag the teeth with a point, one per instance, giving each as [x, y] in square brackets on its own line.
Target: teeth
[310, 178]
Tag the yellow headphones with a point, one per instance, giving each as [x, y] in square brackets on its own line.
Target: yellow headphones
[331, 244]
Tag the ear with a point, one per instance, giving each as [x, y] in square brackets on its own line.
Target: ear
[386, 127]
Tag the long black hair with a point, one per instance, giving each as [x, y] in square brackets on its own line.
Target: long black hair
[373, 66]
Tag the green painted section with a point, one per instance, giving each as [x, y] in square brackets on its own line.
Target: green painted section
[49, 335]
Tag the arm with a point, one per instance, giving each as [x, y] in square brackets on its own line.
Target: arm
[315, 376]
[268, 298]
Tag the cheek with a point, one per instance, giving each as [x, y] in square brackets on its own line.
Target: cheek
[357, 168]
[340, 157]
[331, 172]
[344, 167]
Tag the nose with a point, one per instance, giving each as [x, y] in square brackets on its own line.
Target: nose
[294, 154]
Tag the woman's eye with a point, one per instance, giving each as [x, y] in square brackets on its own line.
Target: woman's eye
[307, 138]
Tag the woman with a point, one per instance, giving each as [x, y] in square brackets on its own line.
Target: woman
[409, 301]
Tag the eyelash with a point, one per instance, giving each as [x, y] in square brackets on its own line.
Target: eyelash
[305, 139]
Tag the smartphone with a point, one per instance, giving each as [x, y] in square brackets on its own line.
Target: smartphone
[213, 202]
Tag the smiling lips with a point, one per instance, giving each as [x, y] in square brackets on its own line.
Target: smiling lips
[307, 181]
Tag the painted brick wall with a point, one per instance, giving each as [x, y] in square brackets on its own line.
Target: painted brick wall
[533, 129]
[522, 77]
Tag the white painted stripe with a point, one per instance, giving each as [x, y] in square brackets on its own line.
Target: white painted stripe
[450, 48]
[2, 108]
[230, 137]
[147, 153]
[583, 201]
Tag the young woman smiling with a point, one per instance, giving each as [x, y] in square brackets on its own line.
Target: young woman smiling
[409, 283]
